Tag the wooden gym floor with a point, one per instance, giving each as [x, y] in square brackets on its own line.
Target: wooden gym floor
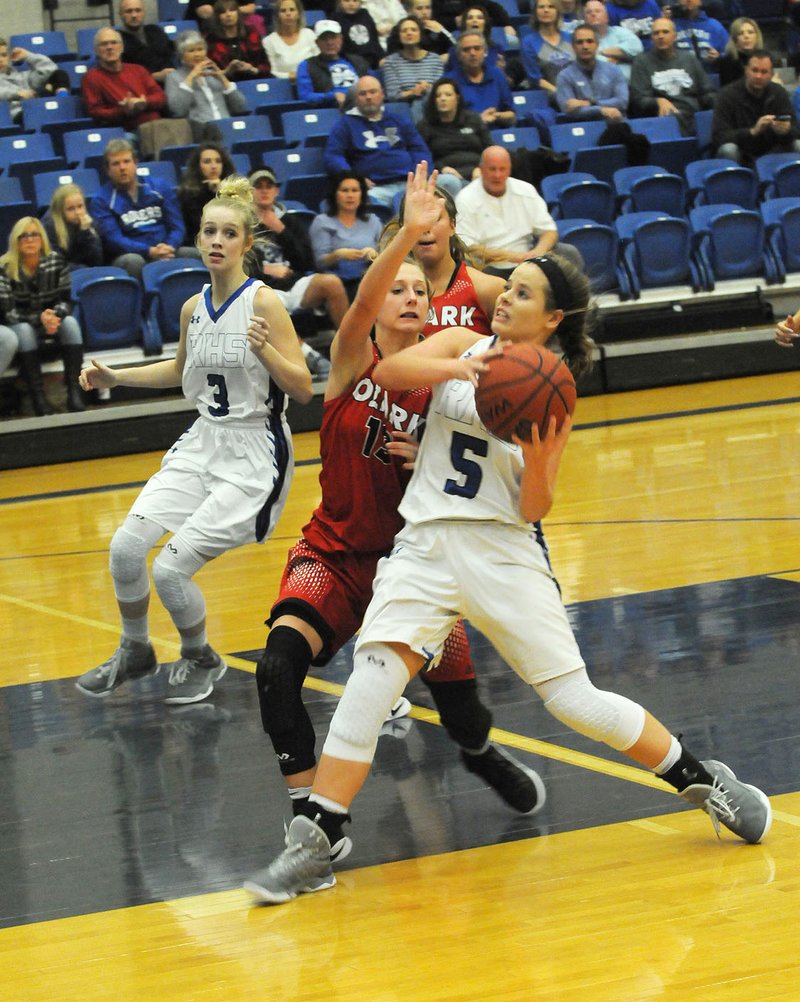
[127, 826]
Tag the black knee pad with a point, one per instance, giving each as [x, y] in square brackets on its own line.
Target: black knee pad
[279, 678]
[463, 715]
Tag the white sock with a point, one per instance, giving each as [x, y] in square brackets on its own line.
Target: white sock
[329, 805]
[670, 758]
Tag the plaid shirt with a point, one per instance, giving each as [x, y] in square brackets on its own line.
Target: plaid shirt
[49, 288]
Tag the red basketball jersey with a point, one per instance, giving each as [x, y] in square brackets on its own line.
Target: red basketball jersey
[362, 484]
[458, 306]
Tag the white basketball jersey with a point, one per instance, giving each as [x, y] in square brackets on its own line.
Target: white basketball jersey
[222, 376]
[461, 471]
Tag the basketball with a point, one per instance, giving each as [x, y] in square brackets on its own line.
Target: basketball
[526, 385]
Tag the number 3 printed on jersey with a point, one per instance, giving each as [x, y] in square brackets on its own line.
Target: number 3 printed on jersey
[217, 383]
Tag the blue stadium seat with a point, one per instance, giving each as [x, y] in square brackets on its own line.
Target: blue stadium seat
[658, 128]
[177, 155]
[587, 199]
[702, 126]
[569, 138]
[657, 251]
[646, 189]
[163, 169]
[44, 43]
[262, 93]
[513, 138]
[511, 7]
[730, 242]
[400, 108]
[310, 189]
[601, 161]
[301, 126]
[172, 10]
[10, 191]
[295, 160]
[527, 103]
[599, 247]
[75, 69]
[782, 224]
[10, 212]
[7, 125]
[717, 181]
[779, 175]
[40, 111]
[674, 154]
[313, 15]
[242, 163]
[167, 286]
[108, 307]
[174, 28]
[245, 127]
[26, 155]
[85, 147]
[44, 184]
[552, 184]
[84, 42]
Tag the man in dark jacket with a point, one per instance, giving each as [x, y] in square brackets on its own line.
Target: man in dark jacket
[145, 44]
[754, 116]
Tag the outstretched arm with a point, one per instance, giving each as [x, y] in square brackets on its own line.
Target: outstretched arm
[435, 360]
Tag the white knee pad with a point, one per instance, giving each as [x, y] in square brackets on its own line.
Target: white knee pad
[180, 596]
[127, 561]
[378, 679]
[600, 715]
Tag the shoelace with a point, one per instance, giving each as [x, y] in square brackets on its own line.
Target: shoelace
[718, 807]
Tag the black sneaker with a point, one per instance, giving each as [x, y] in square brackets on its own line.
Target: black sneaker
[516, 784]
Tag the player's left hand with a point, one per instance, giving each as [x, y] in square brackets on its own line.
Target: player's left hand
[404, 446]
[786, 334]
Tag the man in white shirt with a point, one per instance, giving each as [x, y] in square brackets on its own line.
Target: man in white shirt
[504, 219]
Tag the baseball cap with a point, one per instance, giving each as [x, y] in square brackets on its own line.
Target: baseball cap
[325, 27]
[263, 172]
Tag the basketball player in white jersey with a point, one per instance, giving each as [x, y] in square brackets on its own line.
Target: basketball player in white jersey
[224, 482]
[472, 546]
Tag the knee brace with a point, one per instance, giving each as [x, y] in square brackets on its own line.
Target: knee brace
[279, 679]
[180, 596]
[463, 715]
[600, 715]
[378, 679]
[127, 561]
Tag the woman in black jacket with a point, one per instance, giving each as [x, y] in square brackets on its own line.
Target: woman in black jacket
[455, 136]
[71, 229]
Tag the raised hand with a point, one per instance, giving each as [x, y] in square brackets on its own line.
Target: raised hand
[422, 207]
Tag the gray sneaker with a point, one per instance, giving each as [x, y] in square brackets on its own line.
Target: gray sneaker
[742, 809]
[303, 867]
[132, 659]
[192, 679]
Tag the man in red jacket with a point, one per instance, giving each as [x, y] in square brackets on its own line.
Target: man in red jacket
[117, 93]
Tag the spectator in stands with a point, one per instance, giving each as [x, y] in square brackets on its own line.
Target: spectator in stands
[345, 237]
[635, 15]
[290, 41]
[359, 33]
[700, 33]
[616, 44]
[588, 88]
[571, 14]
[71, 230]
[455, 135]
[380, 146]
[146, 45]
[745, 36]
[504, 220]
[327, 78]
[199, 90]
[385, 14]
[41, 78]
[546, 50]
[138, 221]
[203, 12]
[475, 17]
[485, 88]
[206, 167]
[409, 74]
[448, 12]
[283, 257]
[234, 46]
[435, 37]
[669, 81]
[754, 115]
[117, 93]
[35, 299]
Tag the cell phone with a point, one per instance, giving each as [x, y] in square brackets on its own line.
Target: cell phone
[783, 118]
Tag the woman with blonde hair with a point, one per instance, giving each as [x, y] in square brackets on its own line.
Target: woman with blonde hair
[547, 49]
[224, 483]
[35, 299]
[745, 36]
[290, 41]
[71, 229]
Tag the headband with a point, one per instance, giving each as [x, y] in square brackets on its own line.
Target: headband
[562, 293]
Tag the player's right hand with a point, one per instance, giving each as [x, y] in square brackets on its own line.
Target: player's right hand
[97, 377]
[786, 334]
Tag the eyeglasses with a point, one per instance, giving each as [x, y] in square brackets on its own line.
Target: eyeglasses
[29, 236]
